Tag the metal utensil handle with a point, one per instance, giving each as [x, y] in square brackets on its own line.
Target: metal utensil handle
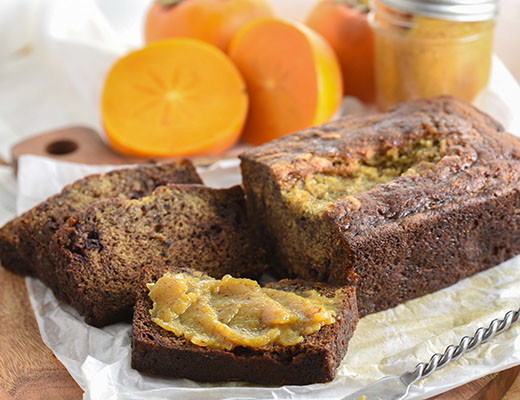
[467, 343]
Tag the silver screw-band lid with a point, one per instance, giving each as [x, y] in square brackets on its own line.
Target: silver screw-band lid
[452, 10]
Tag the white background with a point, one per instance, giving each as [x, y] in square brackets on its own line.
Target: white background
[54, 55]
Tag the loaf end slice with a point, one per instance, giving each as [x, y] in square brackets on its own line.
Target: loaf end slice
[160, 352]
[99, 253]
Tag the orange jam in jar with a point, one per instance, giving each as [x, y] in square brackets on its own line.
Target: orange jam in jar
[426, 48]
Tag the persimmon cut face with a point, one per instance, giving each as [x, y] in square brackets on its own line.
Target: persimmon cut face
[179, 96]
[287, 77]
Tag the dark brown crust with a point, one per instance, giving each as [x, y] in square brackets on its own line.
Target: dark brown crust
[159, 352]
[24, 241]
[99, 252]
[10, 254]
[406, 238]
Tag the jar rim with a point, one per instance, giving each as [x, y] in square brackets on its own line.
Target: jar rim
[452, 10]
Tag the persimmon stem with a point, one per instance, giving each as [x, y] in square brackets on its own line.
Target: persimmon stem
[360, 5]
[168, 3]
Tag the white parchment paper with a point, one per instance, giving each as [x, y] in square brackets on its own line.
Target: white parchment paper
[389, 342]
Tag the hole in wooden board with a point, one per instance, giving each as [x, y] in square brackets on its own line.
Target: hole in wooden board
[61, 147]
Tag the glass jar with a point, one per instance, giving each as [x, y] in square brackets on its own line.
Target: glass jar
[426, 48]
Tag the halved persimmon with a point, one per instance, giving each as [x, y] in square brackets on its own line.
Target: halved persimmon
[174, 97]
[292, 76]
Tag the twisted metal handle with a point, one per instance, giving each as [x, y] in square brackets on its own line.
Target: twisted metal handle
[452, 352]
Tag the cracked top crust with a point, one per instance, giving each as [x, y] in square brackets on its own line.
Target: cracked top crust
[420, 156]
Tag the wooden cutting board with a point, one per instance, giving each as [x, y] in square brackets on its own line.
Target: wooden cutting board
[29, 370]
[84, 145]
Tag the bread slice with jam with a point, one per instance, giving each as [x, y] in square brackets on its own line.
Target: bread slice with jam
[158, 351]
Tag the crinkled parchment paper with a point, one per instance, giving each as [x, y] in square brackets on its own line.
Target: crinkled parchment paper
[389, 342]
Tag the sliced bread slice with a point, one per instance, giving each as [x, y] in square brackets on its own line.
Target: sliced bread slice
[24, 241]
[99, 253]
[160, 352]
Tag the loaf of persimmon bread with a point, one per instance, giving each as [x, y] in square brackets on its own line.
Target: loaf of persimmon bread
[402, 203]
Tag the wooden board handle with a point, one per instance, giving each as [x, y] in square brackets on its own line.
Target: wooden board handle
[84, 145]
[75, 144]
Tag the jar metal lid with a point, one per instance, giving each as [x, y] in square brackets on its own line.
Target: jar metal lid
[452, 10]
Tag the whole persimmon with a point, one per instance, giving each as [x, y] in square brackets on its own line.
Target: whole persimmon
[292, 76]
[344, 24]
[213, 21]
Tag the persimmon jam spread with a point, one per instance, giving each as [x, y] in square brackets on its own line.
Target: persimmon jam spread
[232, 312]
[419, 57]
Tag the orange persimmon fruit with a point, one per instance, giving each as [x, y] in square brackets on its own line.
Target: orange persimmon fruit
[174, 97]
[344, 24]
[292, 77]
[213, 21]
